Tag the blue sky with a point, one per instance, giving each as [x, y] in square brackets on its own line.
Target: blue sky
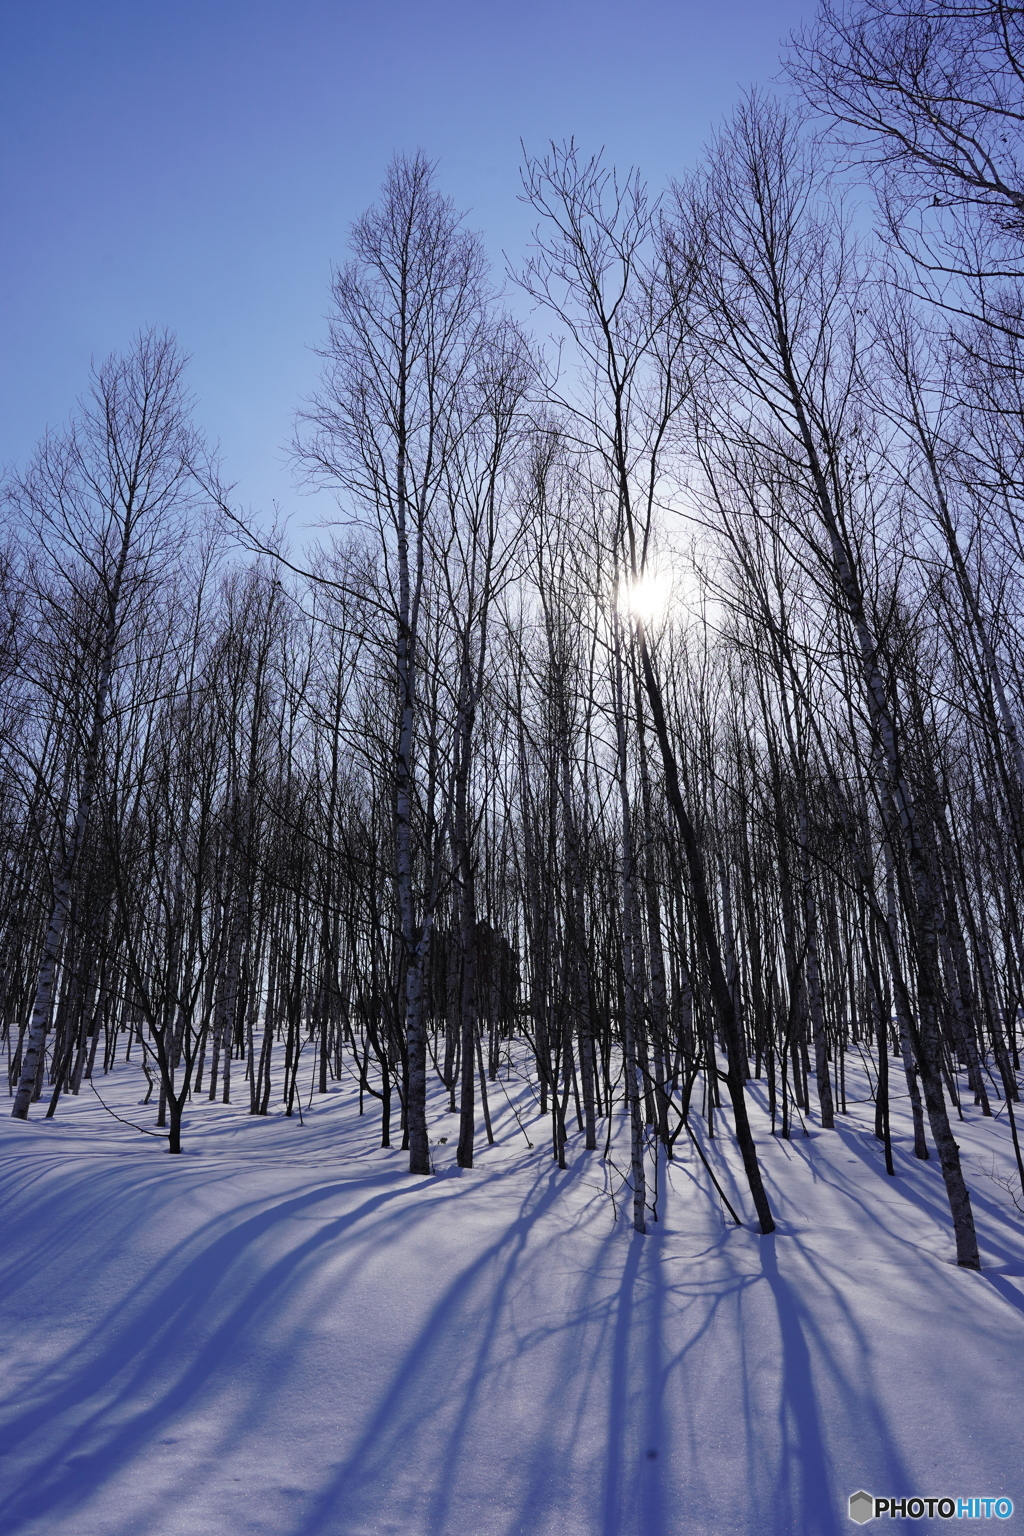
[197, 164]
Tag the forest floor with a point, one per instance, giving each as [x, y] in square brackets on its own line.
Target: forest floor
[281, 1332]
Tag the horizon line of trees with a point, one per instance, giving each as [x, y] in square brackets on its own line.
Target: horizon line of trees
[658, 710]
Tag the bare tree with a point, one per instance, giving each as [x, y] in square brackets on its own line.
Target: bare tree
[104, 504]
[597, 268]
[778, 285]
[409, 312]
[931, 97]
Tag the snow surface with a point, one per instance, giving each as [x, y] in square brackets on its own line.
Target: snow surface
[281, 1332]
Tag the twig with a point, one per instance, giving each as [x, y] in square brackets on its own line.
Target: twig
[159, 1136]
[512, 1107]
[707, 1165]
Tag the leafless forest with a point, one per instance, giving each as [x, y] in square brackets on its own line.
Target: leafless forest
[649, 720]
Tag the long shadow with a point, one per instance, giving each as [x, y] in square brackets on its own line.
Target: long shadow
[382, 1469]
[621, 1456]
[605, 1351]
[788, 1435]
[921, 1184]
[804, 1498]
[214, 1246]
[657, 1434]
[563, 1476]
[471, 1350]
[90, 1398]
[1008, 1292]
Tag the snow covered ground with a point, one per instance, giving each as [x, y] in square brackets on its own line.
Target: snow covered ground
[280, 1332]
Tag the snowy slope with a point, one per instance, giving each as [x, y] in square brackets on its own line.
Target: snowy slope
[281, 1332]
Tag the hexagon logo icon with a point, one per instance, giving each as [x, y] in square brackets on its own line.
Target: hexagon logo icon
[862, 1507]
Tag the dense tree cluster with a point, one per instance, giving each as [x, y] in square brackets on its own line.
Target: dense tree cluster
[657, 711]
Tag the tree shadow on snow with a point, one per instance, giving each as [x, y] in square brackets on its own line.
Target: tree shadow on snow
[668, 1385]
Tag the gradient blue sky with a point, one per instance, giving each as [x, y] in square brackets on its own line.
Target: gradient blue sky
[196, 164]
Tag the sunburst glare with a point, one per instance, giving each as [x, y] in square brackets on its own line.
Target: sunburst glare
[647, 596]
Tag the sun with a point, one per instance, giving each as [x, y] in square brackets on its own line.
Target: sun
[646, 597]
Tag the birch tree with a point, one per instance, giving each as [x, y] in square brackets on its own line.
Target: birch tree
[104, 504]
[409, 310]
